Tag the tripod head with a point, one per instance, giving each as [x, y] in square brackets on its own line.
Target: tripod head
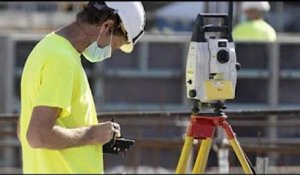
[211, 69]
[217, 107]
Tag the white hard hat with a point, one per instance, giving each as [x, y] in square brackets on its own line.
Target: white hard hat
[259, 5]
[133, 18]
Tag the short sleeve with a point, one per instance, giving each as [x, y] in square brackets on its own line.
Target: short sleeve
[56, 86]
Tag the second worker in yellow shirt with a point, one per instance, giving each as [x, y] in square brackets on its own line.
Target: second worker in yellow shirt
[255, 28]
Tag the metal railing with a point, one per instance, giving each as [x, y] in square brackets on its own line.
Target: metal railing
[272, 73]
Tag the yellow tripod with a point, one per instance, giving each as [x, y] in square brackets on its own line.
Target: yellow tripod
[203, 127]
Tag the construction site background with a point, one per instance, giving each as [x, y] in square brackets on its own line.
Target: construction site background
[145, 91]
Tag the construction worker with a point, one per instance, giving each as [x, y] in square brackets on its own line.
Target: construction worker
[255, 28]
[59, 130]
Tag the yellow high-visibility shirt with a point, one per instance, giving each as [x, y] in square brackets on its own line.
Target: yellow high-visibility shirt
[53, 76]
[256, 30]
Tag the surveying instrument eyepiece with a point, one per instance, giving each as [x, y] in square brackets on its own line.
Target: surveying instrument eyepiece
[211, 73]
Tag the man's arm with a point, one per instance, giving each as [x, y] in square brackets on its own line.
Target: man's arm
[43, 133]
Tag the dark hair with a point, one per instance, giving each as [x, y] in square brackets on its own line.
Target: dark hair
[91, 15]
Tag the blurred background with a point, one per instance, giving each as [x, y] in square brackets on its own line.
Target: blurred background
[145, 91]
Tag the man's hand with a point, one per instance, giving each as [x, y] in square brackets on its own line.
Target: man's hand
[104, 132]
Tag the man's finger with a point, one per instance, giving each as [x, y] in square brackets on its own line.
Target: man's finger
[116, 125]
[117, 133]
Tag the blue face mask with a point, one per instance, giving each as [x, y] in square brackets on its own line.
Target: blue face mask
[94, 53]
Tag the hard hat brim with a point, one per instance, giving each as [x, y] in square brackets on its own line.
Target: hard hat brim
[127, 48]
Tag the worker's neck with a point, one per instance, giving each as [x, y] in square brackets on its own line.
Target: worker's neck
[254, 18]
[74, 34]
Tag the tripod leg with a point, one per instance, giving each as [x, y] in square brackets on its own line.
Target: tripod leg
[237, 148]
[202, 156]
[186, 150]
[240, 154]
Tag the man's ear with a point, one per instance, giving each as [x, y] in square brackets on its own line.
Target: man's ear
[107, 26]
